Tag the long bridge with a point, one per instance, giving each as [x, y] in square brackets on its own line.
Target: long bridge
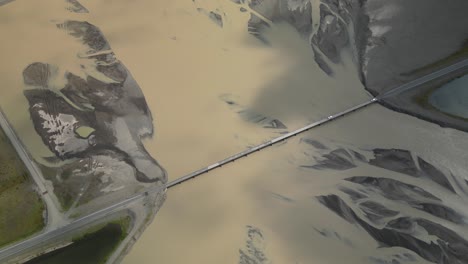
[392, 92]
[267, 144]
[16, 249]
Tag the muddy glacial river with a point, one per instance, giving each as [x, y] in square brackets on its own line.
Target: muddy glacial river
[185, 63]
[268, 202]
[216, 90]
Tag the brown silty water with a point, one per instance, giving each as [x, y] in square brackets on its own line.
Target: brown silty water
[207, 220]
[185, 62]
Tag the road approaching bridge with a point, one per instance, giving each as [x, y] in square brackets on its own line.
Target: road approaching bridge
[54, 216]
[267, 144]
[397, 90]
[83, 223]
[44, 238]
[425, 79]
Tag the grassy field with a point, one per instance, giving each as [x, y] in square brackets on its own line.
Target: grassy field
[94, 247]
[65, 193]
[21, 208]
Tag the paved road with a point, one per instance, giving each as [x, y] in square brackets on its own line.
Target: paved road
[54, 216]
[407, 86]
[81, 223]
[43, 238]
[245, 153]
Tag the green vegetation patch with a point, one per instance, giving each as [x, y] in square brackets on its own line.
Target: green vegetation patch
[20, 213]
[66, 192]
[84, 131]
[422, 99]
[94, 247]
[67, 188]
[21, 209]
